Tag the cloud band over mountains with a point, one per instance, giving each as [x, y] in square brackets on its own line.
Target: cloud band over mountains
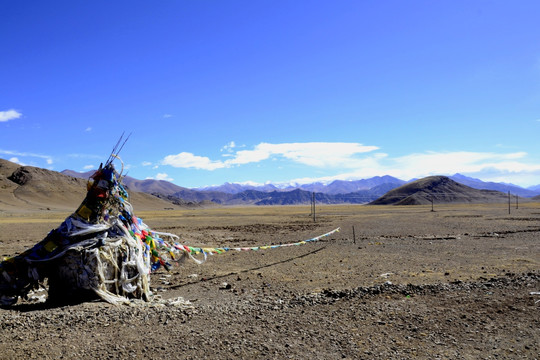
[347, 161]
[328, 161]
[316, 154]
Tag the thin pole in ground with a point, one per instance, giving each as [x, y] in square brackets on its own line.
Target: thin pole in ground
[313, 205]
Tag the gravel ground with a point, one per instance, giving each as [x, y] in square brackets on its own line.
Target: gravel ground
[458, 283]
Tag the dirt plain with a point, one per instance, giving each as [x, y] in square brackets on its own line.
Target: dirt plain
[459, 282]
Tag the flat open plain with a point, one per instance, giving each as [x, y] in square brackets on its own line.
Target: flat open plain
[456, 283]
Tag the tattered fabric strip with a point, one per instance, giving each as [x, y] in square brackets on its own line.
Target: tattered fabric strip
[205, 251]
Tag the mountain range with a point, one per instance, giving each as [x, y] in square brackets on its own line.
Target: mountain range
[503, 187]
[335, 192]
[333, 188]
[36, 188]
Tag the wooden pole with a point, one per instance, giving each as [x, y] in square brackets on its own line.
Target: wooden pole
[509, 202]
[313, 205]
[353, 235]
[517, 201]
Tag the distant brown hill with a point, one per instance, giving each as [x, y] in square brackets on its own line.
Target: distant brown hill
[30, 188]
[148, 186]
[440, 189]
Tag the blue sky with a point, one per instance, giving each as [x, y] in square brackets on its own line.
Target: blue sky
[274, 91]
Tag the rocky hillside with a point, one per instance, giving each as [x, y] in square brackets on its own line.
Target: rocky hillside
[439, 189]
[26, 188]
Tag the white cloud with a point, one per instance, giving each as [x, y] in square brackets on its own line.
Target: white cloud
[88, 129]
[146, 163]
[166, 116]
[317, 154]
[508, 167]
[17, 161]
[429, 163]
[47, 158]
[352, 161]
[229, 147]
[188, 160]
[9, 115]
[88, 167]
[250, 156]
[85, 156]
[161, 176]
